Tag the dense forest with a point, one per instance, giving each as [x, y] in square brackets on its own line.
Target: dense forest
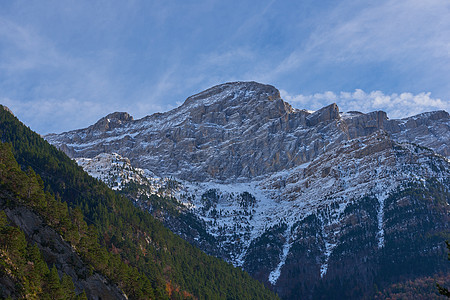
[22, 264]
[115, 238]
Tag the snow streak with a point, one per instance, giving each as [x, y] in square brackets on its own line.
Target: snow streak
[275, 274]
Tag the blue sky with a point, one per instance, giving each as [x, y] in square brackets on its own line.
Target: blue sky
[65, 64]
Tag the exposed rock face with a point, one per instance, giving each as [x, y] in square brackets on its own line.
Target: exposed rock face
[59, 253]
[111, 121]
[430, 130]
[365, 124]
[214, 134]
[308, 203]
[330, 112]
[239, 130]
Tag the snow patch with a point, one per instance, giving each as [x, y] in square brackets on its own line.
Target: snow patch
[275, 274]
[382, 195]
[328, 250]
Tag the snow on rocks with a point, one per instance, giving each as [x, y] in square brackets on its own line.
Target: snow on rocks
[246, 161]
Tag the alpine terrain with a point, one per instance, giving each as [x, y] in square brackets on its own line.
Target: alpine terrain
[323, 204]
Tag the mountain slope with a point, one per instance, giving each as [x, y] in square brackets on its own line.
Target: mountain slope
[174, 268]
[313, 204]
[35, 226]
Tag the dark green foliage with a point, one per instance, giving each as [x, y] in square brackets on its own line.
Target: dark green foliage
[270, 244]
[353, 260]
[415, 224]
[23, 264]
[52, 287]
[421, 209]
[119, 240]
[67, 287]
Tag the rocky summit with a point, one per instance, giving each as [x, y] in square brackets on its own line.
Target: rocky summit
[313, 204]
[240, 131]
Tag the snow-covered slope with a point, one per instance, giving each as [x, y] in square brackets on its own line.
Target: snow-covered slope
[299, 199]
[118, 173]
[239, 213]
[114, 170]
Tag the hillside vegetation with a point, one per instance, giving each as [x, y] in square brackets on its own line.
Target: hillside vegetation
[117, 239]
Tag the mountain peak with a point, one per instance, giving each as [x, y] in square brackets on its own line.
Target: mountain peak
[240, 130]
[119, 116]
[112, 120]
[241, 90]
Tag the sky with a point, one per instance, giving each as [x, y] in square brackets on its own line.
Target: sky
[66, 64]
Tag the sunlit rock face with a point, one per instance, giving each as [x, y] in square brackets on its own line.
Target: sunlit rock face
[239, 131]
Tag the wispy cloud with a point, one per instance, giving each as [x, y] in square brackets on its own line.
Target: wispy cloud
[396, 105]
[148, 56]
[411, 37]
[24, 49]
[226, 58]
[51, 115]
[56, 115]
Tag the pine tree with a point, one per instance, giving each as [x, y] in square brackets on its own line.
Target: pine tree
[37, 271]
[68, 287]
[53, 286]
[82, 296]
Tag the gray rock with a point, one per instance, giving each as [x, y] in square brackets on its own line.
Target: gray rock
[330, 112]
[240, 130]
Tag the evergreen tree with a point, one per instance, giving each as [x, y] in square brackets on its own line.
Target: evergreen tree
[53, 287]
[82, 296]
[67, 287]
[37, 271]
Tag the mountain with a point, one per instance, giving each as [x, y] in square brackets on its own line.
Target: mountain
[312, 204]
[239, 130]
[82, 235]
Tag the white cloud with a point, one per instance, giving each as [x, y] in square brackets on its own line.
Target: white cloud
[396, 105]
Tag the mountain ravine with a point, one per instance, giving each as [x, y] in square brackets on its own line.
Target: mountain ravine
[323, 204]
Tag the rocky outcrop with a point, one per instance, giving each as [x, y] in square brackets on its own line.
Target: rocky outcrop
[365, 124]
[238, 131]
[59, 253]
[330, 112]
[111, 121]
[431, 130]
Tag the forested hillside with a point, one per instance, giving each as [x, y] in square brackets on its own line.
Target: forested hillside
[24, 270]
[116, 239]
